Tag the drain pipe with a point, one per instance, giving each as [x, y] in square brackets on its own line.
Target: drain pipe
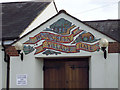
[7, 60]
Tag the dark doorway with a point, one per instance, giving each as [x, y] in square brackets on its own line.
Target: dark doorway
[66, 73]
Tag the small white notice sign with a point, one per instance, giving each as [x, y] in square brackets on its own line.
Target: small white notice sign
[21, 79]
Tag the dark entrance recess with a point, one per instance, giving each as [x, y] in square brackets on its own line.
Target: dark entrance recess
[66, 73]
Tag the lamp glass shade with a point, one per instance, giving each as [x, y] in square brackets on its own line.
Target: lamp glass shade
[19, 46]
[103, 42]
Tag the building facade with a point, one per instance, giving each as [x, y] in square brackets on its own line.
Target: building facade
[64, 52]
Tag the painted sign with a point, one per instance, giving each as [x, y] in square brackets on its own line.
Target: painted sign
[65, 48]
[62, 36]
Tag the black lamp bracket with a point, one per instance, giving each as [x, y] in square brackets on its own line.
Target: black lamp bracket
[103, 48]
[105, 52]
[21, 54]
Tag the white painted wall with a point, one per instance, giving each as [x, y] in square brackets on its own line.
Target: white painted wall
[30, 66]
[3, 66]
[0, 68]
[119, 10]
[3, 69]
[104, 72]
[4, 72]
[49, 11]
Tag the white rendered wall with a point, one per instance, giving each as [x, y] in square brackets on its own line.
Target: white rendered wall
[104, 72]
[30, 66]
[0, 68]
[3, 67]
[3, 70]
[119, 10]
[45, 15]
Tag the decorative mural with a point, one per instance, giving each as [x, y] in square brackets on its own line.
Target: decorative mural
[49, 52]
[61, 36]
[28, 49]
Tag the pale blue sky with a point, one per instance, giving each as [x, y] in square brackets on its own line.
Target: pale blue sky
[90, 9]
[87, 9]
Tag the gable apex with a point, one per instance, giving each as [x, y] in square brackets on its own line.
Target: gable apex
[63, 12]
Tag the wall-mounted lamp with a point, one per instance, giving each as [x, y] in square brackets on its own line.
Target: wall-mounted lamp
[19, 47]
[103, 44]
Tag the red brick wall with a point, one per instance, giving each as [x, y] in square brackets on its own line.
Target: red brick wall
[11, 51]
[114, 47]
